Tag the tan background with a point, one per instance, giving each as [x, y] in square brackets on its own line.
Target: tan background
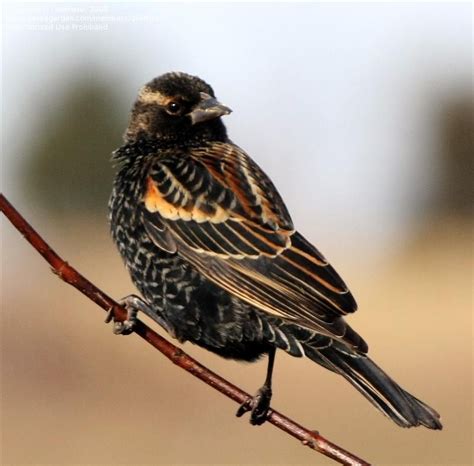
[379, 181]
[73, 393]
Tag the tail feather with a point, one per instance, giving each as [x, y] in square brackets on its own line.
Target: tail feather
[370, 380]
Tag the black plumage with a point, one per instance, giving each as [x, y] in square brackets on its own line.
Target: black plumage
[212, 248]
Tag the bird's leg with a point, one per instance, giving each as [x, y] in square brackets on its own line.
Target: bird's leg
[259, 405]
[133, 304]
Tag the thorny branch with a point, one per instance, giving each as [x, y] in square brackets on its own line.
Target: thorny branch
[68, 274]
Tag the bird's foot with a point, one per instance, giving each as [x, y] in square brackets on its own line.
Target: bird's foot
[259, 406]
[133, 304]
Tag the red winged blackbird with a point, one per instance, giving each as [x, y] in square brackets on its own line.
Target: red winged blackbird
[210, 245]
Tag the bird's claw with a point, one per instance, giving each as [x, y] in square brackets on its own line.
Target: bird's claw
[134, 304]
[259, 406]
[123, 327]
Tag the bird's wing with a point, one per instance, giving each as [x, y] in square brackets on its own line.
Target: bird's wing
[217, 209]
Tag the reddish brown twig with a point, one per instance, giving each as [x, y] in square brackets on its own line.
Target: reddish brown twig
[67, 273]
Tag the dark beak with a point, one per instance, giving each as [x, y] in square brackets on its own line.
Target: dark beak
[207, 109]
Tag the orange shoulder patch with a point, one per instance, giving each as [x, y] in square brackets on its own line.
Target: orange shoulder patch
[155, 202]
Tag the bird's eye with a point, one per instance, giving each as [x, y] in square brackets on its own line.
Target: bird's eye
[173, 107]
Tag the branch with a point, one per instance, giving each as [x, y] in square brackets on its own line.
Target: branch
[68, 274]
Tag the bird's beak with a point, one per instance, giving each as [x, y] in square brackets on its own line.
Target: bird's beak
[207, 109]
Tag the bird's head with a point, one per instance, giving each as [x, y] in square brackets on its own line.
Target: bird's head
[176, 106]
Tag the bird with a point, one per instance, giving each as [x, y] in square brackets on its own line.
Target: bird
[212, 249]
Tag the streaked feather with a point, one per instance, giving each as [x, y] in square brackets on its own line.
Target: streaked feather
[220, 212]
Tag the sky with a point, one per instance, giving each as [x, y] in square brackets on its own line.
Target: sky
[339, 103]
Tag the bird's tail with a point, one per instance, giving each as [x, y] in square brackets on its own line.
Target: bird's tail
[384, 393]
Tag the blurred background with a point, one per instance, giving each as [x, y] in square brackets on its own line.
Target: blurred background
[361, 114]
